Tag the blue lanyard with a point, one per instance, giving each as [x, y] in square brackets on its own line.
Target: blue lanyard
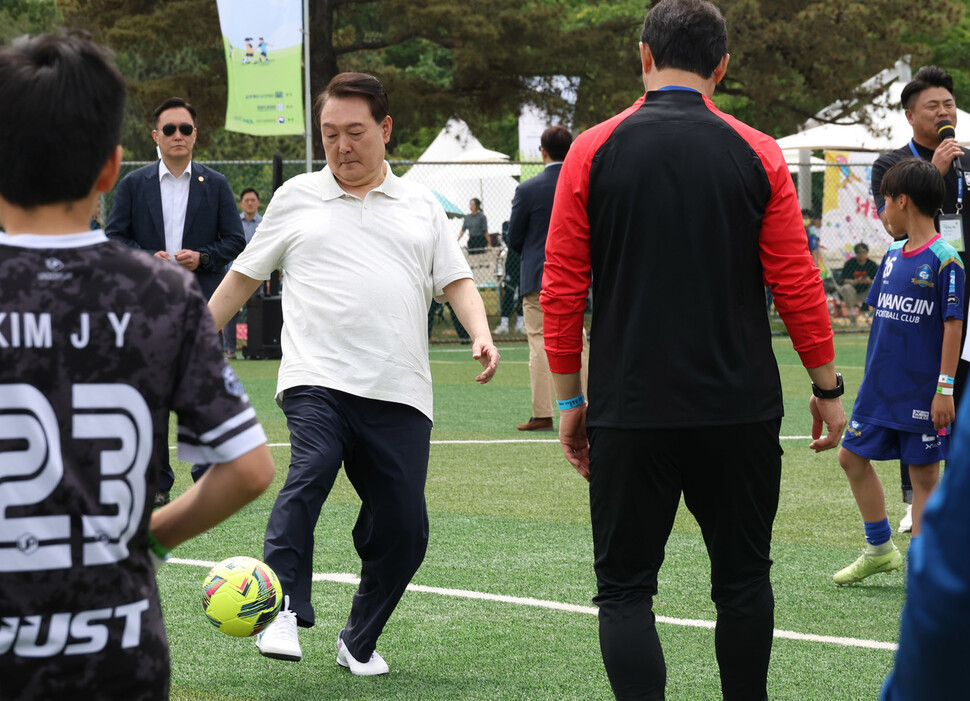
[912, 147]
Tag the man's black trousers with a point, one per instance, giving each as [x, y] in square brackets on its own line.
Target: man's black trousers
[384, 447]
[729, 477]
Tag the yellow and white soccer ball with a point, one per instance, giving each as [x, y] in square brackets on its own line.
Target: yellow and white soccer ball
[241, 596]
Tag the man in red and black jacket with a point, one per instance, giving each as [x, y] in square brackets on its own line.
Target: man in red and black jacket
[681, 402]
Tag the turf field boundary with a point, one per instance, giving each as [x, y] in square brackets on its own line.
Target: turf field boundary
[343, 578]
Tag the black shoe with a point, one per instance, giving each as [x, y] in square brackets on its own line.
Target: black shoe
[161, 499]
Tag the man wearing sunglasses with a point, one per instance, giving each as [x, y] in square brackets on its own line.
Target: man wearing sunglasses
[180, 211]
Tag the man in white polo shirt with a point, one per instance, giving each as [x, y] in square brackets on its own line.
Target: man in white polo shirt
[363, 253]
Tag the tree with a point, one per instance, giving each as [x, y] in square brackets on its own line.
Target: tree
[602, 39]
[950, 53]
[477, 59]
[790, 58]
[164, 49]
[19, 17]
[440, 58]
[437, 58]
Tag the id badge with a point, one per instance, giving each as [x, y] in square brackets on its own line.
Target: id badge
[951, 229]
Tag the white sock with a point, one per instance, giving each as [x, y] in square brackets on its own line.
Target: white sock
[881, 549]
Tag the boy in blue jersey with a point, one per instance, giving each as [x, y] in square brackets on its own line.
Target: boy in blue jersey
[905, 401]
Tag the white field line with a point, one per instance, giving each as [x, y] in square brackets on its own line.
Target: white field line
[343, 578]
[512, 440]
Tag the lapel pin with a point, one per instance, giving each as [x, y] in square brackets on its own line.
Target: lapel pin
[201, 179]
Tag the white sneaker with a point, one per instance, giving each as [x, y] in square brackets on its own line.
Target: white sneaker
[501, 329]
[520, 326]
[374, 666]
[906, 522]
[280, 640]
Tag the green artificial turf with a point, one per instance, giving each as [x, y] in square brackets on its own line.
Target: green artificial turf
[511, 519]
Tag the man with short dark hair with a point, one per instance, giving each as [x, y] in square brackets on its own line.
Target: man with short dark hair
[250, 218]
[181, 211]
[364, 254]
[528, 227]
[929, 102]
[100, 345]
[682, 406]
[931, 110]
[177, 209]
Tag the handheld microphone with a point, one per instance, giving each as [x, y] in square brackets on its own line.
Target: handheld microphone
[945, 129]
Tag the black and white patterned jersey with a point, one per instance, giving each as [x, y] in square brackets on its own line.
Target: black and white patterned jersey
[98, 343]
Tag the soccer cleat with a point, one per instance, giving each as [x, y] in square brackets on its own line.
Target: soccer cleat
[374, 666]
[906, 523]
[280, 641]
[868, 565]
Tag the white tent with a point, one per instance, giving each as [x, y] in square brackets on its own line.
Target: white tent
[458, 167]
[793, 156]
[454, 139]
[498, 163]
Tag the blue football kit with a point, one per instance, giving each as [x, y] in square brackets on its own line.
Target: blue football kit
[913, 293]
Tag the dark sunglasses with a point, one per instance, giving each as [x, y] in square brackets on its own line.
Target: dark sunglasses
[184, 127]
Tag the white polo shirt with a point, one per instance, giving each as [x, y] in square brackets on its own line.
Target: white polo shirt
[359, 275]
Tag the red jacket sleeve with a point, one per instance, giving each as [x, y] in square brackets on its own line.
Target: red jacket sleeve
[566, 273]
[789, 270]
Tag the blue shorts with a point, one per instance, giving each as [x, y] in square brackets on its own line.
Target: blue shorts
[881, 443]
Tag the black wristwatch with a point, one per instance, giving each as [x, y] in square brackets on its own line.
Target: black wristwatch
[835, 393]
[203, 259]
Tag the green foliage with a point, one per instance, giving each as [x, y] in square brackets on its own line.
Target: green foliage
[476, 59]
[605, 57]
[950, 52]
[792, 58]
[19, 17]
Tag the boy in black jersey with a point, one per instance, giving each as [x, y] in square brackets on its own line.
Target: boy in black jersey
[98, 343]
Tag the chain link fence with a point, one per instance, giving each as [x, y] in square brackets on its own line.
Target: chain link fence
[496, 268]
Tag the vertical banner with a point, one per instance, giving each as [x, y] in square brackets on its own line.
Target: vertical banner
[848, 211]
[263, 40]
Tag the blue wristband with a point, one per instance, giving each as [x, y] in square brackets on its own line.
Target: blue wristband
[571, 403]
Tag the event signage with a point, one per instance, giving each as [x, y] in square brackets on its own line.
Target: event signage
[263, 42]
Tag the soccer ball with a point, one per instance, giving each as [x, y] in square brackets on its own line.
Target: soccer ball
[241, 596]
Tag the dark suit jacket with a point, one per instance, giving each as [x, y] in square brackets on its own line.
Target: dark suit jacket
[529, 224]
[212, 222]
